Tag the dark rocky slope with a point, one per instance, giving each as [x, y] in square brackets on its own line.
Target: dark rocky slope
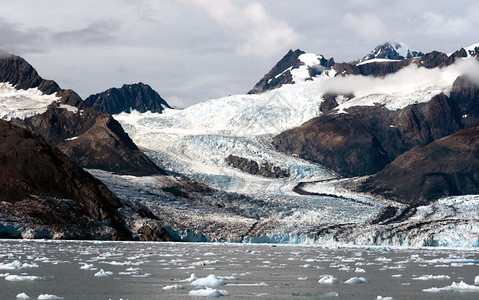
[139, 96]
[366, 139]
[446, 167]
[252, 167]
[61, 127]
[42, 189]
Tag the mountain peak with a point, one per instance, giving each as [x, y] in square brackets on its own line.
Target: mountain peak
[296, 66]
[137, 96]
[392, 51]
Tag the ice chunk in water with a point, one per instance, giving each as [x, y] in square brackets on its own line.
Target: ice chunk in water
[191, 279]
[174, 287]
[432, 277]
[23, 296]
[103, 273]
[211, 281]
[48, 297]
[208, 292]
[357, 280]
[88, 267]
[16, 265]
[359, 270]
[454, 287]
[23, 278]
[328, 279]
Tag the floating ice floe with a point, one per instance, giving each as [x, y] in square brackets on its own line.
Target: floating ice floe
[328, 279]
[103, 273]
[16, 265]
[23, 278]
[208, 292]
[174, 287]
[454, 287]
[23, 296]
[432, 277]
[302, 278]
[359, 270]
[191, 279]
[210, 281]
[357, 280]
[204, 263]
[88, 267]
[476, 280]
[384, 298]
[48, 297]
[383, 259]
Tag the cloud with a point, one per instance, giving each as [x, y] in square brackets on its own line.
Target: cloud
[366, 26]
[98, 32]
[15, 40]
[261, 34]
[409, 79]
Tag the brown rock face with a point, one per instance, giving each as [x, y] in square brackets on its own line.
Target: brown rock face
[106, 146]
[34, 176]
[366, 139]
[448, 166]
[339, 142]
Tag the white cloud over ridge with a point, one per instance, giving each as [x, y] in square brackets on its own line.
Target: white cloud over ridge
[408, 79]
[410, 85]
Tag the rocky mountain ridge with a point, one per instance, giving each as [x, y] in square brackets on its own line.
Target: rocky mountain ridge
[140, 97]
[385, 59]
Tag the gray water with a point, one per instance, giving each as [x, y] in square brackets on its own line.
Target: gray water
[251, 270]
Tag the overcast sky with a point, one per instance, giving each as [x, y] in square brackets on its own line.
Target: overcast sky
[193, 50]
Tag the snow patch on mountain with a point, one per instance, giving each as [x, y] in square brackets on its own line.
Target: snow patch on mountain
[309, 60]
[376, 60]
[23, 103]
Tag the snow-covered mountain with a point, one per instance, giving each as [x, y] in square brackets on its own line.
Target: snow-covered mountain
[295, 67]
[389, 51]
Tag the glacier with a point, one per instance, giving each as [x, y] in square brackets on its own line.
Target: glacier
[194, 143]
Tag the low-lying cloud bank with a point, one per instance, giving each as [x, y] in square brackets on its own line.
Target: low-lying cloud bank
[408, 79]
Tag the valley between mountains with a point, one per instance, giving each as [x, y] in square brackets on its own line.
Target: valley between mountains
[383, 150]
